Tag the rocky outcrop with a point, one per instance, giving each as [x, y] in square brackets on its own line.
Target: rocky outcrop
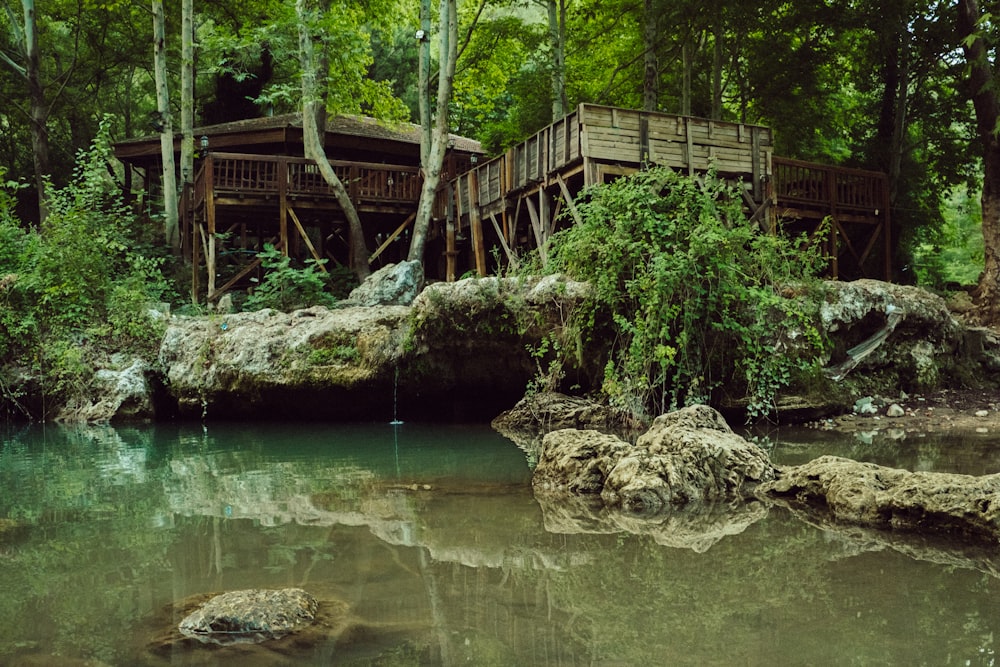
[121, 392]
[865, 494]
[688, 456]
[689, 472]
[392, 285]
[539, 413]
[461, 351]
[250, 616]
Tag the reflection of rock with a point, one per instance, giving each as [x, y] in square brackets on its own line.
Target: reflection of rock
[543, 412]
[696, 526]
[866, 494]
[928, 548]
[690, 455]
[250, 616]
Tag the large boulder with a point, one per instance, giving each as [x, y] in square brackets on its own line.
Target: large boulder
[121, 392]
[392, 285]
[250, 616]
[689, 456]
[864, 494]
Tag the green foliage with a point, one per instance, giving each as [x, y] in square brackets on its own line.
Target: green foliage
[76, 286]
[953, 253]
[287, 288]
[688, 291]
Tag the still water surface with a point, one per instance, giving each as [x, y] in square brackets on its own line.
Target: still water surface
[425, 546]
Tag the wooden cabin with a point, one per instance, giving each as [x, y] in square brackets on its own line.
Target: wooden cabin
[253, 186]
[515, 200]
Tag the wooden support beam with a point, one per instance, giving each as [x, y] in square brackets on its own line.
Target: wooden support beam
[235, 279]
[451, 252]
[306, 239]
[536, 227]
[511, 257]
[210, 221]
[569, 200]
[476, 224]
[392, 237]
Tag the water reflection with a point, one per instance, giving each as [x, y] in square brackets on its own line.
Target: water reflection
[426, 546]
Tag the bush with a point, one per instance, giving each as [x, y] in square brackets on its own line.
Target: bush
[686, 288]
[286, 288]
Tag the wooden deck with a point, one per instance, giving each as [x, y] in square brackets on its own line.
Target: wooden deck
[248, 194]
[515, 200]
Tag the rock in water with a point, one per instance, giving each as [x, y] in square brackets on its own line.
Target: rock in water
[690, 455]
[250, 616]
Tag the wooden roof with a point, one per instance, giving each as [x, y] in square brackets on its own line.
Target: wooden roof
[282, 135]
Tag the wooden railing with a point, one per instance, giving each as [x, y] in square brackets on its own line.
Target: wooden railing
[826, 189]
[249, 175]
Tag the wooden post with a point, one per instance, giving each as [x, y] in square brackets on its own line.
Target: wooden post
[450, 251]
[283, 205]
[831, 193]
[476, 223]
[887, 221]
[755, 156]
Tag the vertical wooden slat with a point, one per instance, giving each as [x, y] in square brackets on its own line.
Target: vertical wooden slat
[476, 224]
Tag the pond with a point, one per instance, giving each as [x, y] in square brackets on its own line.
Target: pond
[425, 546]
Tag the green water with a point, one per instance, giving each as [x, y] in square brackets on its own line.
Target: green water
[425, 546]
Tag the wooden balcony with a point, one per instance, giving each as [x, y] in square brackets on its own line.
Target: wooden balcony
[854, 201]
[235, 179]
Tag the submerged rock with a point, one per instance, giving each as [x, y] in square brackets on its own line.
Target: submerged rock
[865, 494]
[250, 616]
[687, 456]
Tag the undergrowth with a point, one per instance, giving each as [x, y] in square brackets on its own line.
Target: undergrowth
[686, 294]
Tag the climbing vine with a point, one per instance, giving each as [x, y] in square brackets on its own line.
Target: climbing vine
[688, 292]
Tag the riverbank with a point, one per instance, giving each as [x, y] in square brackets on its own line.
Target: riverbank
[944, 410]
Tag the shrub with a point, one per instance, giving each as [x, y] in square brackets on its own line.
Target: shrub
[686, 288]
[287, 288]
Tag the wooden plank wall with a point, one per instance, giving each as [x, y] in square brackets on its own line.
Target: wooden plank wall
[620, 136]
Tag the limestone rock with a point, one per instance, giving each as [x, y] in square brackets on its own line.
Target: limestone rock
[120, 393]
[250, 616]
[690, 455]
[687, 456]
[869, 495]
[392, 285]
[542, 412]
[577, 462]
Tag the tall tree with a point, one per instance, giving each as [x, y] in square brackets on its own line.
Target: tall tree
[314, 84]
[983, 87]
[187, 92]
[447, 59]
[165, 118]
[26, 39]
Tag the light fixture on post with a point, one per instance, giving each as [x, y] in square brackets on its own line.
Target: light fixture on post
[421, 36]
[204, 145]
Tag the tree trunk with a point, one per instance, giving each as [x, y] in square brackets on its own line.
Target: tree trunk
[424, 84]
[557, 42]
[313, 116]
[651, 74]
[187, 92]
[987, 105]
[687, 63]
[167, 133]
[448, 55]
[39, 111]
[717, 53]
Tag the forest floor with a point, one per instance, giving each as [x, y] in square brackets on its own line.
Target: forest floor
[944, 410]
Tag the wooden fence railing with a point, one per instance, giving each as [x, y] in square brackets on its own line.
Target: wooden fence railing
[827, 189]
[247, 175]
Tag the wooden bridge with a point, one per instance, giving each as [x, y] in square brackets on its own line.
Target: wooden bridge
[522, 193]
